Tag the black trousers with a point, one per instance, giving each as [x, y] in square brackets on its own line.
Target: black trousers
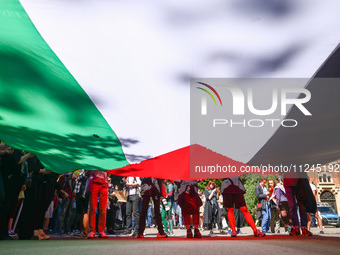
[158, 217]
[12, 189]
[37, 200]
[111, 218]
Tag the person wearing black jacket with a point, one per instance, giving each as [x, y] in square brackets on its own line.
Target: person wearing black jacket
[151, 187]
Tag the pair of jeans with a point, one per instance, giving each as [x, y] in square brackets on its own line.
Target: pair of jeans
[265, 218]
[132, 206]
[64, 216]
[149, 215]
[178, 211]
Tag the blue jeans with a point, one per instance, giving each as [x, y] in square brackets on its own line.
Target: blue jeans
[178, 211]
[149, 215]
[265, 219]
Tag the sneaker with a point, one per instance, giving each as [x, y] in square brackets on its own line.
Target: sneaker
[159, 235]
[229, 232]
[321, 232]
[11, 233]
[223, 232]
[239, 231]
[197, 234]
[91, 235]
[211, 233]
[81, 236]
[43, 235]
[258, 233]
[305, 232]
[171, 234]
[37, 235]
[295, 232]
[140, 236]
[189, 233]
[233, 233]
[102, 235]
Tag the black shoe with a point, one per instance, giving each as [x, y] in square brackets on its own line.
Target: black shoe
[189, 233]
[223, 232]
[197, 234]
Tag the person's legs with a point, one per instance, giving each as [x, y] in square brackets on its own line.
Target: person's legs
[85, 222]
[64, 205]
[145, 208]
[290, 192]
[272, 220]
[303, 214]
[237, 215]
[180, 218]
[309, 221]
[164, 220]
[129, 214]
[149, 215]
[68, 215]
[277, 221]
[248, 217]
[93, 206]
[317, 216]
[135, 207]
[231, 218]
[158, 218]
[265, 219]
[103, 197]
[169, 217]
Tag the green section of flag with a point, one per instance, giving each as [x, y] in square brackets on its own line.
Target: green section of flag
[43, 109]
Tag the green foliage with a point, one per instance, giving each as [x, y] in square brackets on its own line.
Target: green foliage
[250, 181]
[203, 184]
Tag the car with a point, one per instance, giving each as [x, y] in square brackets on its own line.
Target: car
[328, 214]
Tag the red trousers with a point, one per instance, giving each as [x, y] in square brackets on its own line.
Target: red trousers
[100, 191]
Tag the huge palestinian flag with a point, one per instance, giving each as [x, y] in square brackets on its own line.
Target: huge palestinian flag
[89, 84]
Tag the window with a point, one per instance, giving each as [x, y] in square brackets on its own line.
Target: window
[325, 178]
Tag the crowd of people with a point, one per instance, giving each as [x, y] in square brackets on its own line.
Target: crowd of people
[35, 202]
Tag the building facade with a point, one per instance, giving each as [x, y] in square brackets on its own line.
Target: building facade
[327, 182]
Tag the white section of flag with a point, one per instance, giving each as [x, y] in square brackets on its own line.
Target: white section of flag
[134, 58]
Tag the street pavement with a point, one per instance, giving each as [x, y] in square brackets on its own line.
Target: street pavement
[245, 243]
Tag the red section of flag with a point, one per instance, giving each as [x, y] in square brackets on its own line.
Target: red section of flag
[178, 163]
